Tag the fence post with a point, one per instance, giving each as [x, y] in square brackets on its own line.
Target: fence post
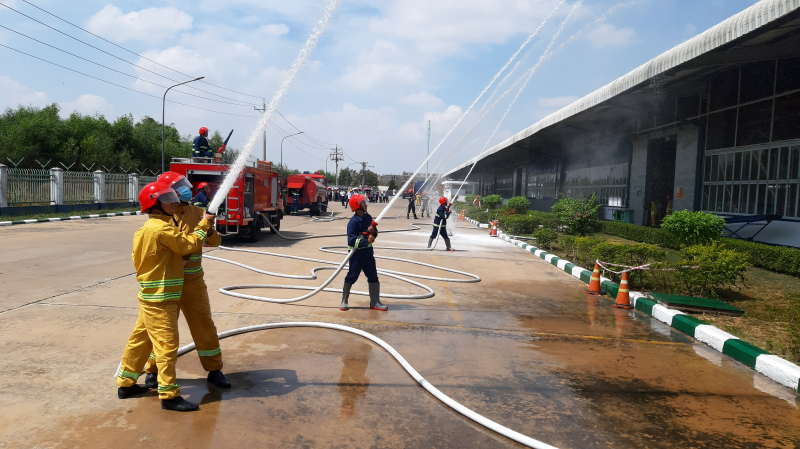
[100, 186]
[133, 187]
[3, 186]
[57, 186]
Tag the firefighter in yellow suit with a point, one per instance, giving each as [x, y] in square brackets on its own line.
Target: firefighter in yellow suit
[194, 304]
[158, 250]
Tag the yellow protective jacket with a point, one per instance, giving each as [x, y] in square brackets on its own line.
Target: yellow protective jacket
[186, 219]
[158, 250]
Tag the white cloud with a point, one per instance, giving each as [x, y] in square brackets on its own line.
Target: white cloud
[13, 94]
[417, 131]
[423, 99]
[607, 35]
[87, 104]
[274, 29]
[444, 27]
[148, 25]
[379, 67]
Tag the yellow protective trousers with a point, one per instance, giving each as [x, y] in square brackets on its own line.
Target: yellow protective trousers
[156, 332]
[196, 308]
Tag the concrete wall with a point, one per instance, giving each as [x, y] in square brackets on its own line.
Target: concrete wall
[638, 179]
[685, 170]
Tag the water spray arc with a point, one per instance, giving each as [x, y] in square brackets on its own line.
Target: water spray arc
[302, 58]
[544, 56]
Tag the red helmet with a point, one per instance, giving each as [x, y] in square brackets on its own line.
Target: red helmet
[155, 191]
[201, 185]
[424, 193]
[174, 180]
[356, 200]
[443, 200]
[203, 130]
[410, 190]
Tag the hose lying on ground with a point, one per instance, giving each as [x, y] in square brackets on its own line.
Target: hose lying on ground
[483, 421]
[228, 290]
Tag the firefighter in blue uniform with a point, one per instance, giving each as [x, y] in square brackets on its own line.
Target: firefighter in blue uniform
[361, 233]
[202, 199]
[440, 223]
[201, 146]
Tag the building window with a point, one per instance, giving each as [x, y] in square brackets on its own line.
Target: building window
[609, 181]
[543, 185]
[755, 180]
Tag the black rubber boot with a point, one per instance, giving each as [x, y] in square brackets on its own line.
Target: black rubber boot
[415, 217]
[447, 244]
[179, 404]
[134, 390]
[151, 380]
[345, 295]
[375, 297]
[430, 242]
[218, 379]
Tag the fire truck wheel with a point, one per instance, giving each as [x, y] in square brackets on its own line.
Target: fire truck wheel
[277, 225]
[255, 230]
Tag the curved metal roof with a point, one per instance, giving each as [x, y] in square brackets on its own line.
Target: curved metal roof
[752, 18]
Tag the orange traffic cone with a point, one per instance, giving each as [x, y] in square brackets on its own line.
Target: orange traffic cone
[494, 229]
[594, 283]
[461, 215]
[623, 297]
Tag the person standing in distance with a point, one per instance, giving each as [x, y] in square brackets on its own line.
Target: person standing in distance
[440, 223]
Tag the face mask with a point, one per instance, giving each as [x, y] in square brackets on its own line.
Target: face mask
[185, 194]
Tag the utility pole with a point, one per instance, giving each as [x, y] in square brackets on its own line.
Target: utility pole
[263, 110]
[364, 172]
[429, 148]
[336, 156]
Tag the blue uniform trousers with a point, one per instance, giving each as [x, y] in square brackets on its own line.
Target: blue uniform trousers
[362, 260]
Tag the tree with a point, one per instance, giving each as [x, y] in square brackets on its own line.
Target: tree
[330, 178]
[345, 177]
[392, 185]
[371, 179]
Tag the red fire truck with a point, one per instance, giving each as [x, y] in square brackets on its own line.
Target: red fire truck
[255, 194]
[312, 190]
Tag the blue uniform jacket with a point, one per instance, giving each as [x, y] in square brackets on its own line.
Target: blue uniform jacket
[356, 229]
[201, 200]
[201, 147]
[442, 214]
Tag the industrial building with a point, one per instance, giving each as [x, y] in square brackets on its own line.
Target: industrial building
[712, 124]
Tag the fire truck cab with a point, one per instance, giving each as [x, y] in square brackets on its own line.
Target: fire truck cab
[254, 198]
[311, 191]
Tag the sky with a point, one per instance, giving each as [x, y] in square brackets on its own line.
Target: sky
[380, 73]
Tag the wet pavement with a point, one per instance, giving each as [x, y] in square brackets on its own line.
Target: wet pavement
[524, 347]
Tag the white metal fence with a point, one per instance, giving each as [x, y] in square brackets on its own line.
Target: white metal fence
[34, 187]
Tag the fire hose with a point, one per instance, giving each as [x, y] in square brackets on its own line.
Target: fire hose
[483, 421]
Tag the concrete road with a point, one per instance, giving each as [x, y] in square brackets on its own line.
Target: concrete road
[524, 347]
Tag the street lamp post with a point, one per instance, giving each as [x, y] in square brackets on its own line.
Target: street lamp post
[163, 106]
[290, 135]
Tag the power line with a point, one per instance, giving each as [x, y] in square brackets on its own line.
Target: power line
[115, 56]
[118, 71]
[317, 141]
[119, 85]
[281, 132]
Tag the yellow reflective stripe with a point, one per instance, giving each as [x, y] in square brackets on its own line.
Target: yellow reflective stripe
[167, 387]
[129, 374]
[160, 296]
[200, 233]
[152, 356]
[209, 353]
[193, 270]
[196, 257]
[161, 283]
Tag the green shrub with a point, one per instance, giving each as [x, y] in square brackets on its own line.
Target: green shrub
[545, 238]
[482, 217]
[693, 228]
[774, 258]
[469, 199]
[518, 224]
[578, 215]
[636, 233]
[717, 267]
[492, 202]
[518, 204]
[567, 245]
